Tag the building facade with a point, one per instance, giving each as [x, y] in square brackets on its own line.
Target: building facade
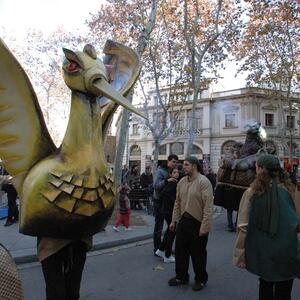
[221, 119]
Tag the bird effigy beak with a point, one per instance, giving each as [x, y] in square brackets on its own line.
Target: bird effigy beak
[102, 87]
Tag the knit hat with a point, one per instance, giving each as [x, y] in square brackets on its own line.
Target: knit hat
[270, 162]
[195, 161]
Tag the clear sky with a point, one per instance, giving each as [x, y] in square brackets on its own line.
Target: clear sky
[20, 15]
[229, 81]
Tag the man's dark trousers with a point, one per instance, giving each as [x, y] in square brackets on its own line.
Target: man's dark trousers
[63, 271]
[159, 223]
[275, 290]
[189, 243]
[13, 212]
[169, 237]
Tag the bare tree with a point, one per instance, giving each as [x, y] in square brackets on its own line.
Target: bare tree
[165, 71]
[270, 49]
[209, 28]
[130, 22]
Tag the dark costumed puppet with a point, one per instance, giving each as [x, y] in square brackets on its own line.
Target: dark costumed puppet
[66, 192]
[236, 172]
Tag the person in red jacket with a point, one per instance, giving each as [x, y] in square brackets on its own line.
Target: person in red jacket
[124, 217]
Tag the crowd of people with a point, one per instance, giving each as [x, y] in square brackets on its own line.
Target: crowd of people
[267, 226]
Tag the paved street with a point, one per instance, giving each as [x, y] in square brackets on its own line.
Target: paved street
[134, 273]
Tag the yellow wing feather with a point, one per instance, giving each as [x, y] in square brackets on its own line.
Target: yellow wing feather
[24, 138]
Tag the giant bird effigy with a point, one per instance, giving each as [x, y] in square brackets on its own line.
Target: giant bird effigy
[65, 192]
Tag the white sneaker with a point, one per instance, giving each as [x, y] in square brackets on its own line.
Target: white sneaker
[160, 253]
[170, 259]
[116, 229]
[128, 229]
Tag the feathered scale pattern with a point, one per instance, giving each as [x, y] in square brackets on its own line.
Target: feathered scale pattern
[80, 194]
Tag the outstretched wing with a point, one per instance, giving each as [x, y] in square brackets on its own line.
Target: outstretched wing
[24, 138]
[126, 67]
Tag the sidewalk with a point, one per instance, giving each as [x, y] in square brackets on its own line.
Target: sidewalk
[23, 247]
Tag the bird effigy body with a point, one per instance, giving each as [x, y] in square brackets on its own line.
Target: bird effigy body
[66, 192]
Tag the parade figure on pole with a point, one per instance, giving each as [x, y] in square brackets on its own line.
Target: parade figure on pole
[237, 171]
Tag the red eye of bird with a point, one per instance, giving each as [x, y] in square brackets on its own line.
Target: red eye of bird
[73, 66]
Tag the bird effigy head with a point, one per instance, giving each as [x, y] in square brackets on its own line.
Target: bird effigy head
[80, 69]
[85, 73]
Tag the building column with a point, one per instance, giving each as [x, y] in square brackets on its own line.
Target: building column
[243, 115]
[168, 149]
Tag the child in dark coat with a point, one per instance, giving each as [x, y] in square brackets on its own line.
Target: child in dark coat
[124, 203]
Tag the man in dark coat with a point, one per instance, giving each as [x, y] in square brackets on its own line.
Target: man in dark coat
[160, 180]
[8, 188]
[146, 178]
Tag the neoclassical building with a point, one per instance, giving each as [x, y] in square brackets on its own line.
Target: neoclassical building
[221, 118]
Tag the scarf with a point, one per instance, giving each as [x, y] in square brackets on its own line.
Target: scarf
[266, 210]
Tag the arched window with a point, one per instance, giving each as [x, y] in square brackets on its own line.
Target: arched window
[163, 149]
[177, 148]
[227, 148]
[135, 150]
[196, 150]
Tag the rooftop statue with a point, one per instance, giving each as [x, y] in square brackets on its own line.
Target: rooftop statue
[64, 192]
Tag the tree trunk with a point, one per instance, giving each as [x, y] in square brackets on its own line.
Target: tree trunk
[142, 44]
[193, 118]
[122, 142]
[282, 124]
[155, 155]
[291, 134]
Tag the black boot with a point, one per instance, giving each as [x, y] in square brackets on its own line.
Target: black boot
[8, 222]
[231, 227]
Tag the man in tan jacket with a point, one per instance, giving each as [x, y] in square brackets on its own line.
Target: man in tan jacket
[192, 216]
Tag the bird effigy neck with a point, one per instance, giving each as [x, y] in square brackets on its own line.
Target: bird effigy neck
[84, 131]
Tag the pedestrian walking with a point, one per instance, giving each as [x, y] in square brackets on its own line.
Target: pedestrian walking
[146, 179]
[125, 175]
[124, 203]
[134, 184]
[192, 216]
[267, 244]
[160, 180]
[212, 177]
[9, 189]
[168, 197]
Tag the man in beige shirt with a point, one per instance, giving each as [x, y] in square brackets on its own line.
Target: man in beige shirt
[192, 216]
